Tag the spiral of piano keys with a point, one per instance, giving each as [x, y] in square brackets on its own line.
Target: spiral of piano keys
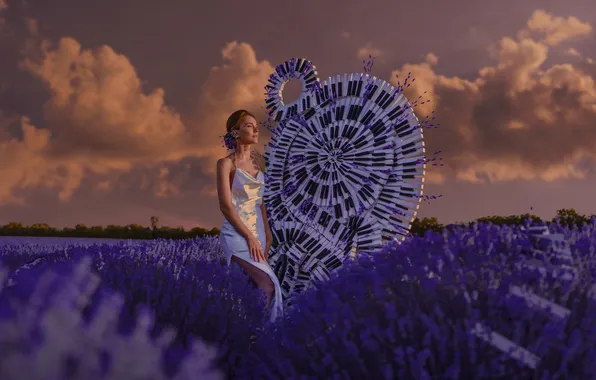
[345, 168]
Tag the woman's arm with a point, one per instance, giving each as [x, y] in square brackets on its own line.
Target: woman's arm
[268, 234]
[224, 166]
[266, 222]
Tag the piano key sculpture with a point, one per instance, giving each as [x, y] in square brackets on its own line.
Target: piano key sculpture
[345, 171]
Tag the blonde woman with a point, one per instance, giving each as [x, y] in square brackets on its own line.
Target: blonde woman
[245, 234]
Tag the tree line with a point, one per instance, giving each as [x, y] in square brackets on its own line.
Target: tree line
[567, 217]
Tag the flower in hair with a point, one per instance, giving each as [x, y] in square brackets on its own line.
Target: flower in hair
[230, 139]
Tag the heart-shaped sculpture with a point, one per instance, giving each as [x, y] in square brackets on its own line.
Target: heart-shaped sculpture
[345, 171]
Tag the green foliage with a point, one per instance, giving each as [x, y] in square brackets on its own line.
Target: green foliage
[419, 227]
[131, 231]
[568, 217]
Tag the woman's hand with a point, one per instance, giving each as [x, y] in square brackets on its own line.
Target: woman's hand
[255, 249]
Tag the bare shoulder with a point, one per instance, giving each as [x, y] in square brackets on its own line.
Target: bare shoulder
[224, 163]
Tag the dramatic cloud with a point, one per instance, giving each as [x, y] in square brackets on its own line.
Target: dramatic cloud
[237, 84]
[99, 120]
[554, 30]
[99, 114]
[101, 124]
[22, 162]
[517, 119]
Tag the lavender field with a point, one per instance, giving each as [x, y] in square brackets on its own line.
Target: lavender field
[471, 303]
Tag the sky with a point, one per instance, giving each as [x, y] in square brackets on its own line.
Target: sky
[111, 111]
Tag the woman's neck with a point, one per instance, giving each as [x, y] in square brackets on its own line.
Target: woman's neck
[243, 152]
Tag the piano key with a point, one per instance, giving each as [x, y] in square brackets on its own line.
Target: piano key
[336, 192]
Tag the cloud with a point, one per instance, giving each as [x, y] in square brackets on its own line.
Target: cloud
[554, 30]
[368, 51]
[99, 121]
[432, 59]
[98, 113]
[237, 84]
[573, 53]
[22, 161]
[517, 119]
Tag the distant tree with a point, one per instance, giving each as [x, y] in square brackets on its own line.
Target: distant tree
[154, 221]
[570, 217]
[81, 229]
[198, 232]
[14, 226]
[420, 226]
[41, 229]
[96, 231]
[40, 226]
[134, 231]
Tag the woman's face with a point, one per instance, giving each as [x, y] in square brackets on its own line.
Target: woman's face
[248, 133]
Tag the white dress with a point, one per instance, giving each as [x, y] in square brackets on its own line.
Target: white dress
[247, 196]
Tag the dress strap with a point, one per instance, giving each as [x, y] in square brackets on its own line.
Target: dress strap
[234, 160]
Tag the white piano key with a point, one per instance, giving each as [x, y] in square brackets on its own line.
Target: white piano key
[506, 346]
[534, 300]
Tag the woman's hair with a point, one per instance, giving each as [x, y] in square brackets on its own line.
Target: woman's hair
[236, 119]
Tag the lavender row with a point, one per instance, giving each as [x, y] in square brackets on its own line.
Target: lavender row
[441, 306]
[187, 290]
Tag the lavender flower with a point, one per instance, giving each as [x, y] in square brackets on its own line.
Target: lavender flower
[230, 139]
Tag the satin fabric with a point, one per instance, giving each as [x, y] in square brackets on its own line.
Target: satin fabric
[247, 197]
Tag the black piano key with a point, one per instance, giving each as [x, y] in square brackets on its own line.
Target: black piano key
[338, 211]
[387, 102]
[373, 90]
[310, 113]
[359, 88]
[310, 76]
[399, 128]
[395, 113]
[367, 117]
[339, 113]
[312, 187]
[301, 65]
[380, 97]
[378, 127]
[354, 112]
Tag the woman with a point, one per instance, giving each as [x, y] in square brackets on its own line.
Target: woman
[245, 234]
